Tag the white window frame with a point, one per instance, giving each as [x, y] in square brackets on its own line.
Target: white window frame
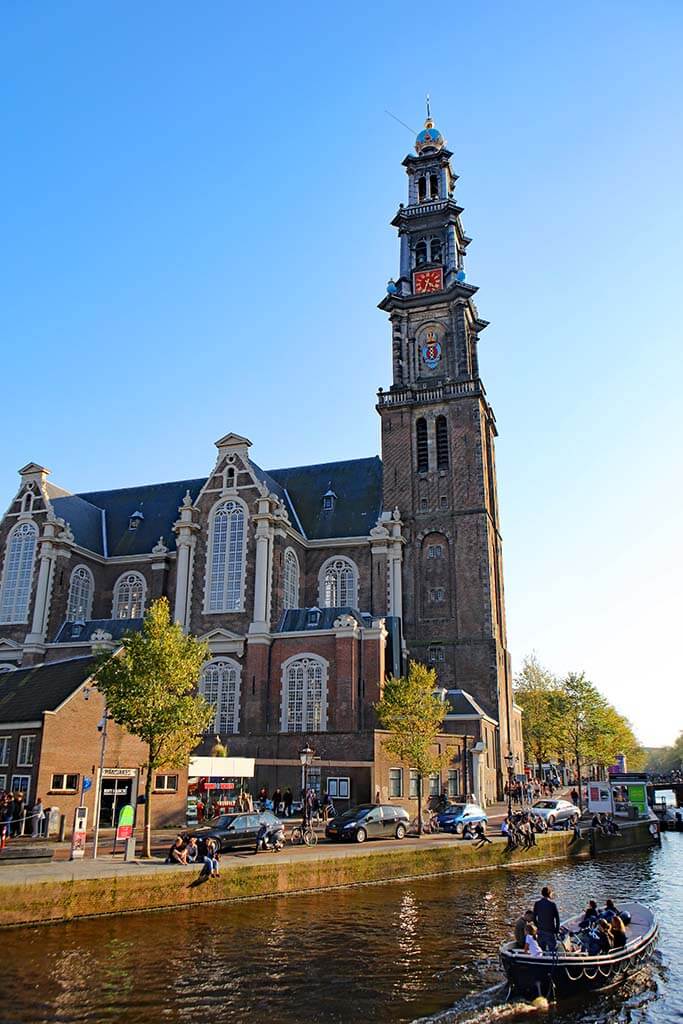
[307, 664]
[160, 787]
[413, 778]
[211, 605]
[13, 785]
[80, 573]
[291, 577]
[392, 778]
[338, 564]
[453, 783]
[434, 784]
[64, 788]
[5, 747]
[436, 653]
[17, 573]
[338, 787]
[22, 753]
[128, 579]
[219, 691]
[3, 783]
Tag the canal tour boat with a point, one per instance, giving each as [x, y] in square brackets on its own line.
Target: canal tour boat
[564, 973]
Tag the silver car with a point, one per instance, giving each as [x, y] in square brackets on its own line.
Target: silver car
[556, 811]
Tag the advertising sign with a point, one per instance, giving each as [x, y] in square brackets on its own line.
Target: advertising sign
[125, 827]
[78, 833]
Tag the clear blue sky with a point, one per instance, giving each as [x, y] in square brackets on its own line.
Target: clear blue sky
[195, 208]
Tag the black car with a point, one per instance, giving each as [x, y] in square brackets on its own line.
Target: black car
[232, 831]
[369, 821]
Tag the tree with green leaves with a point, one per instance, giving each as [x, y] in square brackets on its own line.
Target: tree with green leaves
[412, 712]
[150, 689]
[537, 693]
[584, 717]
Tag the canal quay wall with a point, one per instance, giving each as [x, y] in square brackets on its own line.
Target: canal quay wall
[65, 891]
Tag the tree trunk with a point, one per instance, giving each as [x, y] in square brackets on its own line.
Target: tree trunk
[147, 831]
[419, 804]
[580, 787]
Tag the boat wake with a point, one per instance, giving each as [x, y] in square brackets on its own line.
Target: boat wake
[486, 1007]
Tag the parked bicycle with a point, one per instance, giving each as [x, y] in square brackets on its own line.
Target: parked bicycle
[303, 834]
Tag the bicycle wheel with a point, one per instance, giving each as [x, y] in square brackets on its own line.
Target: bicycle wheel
[310, 837]
[296, 836]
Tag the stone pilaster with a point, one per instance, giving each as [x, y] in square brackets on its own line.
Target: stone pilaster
[186, 531]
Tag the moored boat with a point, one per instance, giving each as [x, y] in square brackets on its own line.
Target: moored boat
[564, 973]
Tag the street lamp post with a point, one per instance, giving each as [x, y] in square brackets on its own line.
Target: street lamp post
[306, 758]
[510, 762]
[102, 726]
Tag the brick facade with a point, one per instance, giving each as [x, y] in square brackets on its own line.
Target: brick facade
[420, 531]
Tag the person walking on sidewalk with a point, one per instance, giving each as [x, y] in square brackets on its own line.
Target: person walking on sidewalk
[38, 812]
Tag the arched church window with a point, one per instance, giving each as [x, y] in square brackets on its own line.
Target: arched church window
[81, 589]
[291, 579]
[433, 186]
[18, 573]
[435, 250]
[304, 694]
[422, 189]
[420, 253]
[220, 687]
[129, 596]
[338, 583]
[226, 558]
[422, 445]
[442, 454]
[27, 502]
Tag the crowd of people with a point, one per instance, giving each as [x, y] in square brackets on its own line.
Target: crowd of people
[605, 824]
[521, 829]
[538, 930]
[525, 793]
[190, 850]
[17, 818]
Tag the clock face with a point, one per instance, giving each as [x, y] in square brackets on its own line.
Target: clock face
[427, 281]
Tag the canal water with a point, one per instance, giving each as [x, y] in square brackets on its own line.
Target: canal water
[386, 953]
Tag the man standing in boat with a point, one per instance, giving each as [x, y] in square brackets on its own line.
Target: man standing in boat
[547, 920]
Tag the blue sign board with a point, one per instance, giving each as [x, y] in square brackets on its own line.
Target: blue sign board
[87, 783]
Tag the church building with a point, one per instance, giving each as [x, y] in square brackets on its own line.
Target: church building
[311, 583]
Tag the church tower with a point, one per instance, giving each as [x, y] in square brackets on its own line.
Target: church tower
[438, 435]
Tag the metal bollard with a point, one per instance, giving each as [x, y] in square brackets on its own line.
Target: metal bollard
[62, 828]
[129, 849]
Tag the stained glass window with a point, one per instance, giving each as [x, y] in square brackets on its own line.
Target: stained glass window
[305, 696]
[220, 686]
[338, 580]
[129, 596]
[226, 566]
[80, 594]
[18, 573]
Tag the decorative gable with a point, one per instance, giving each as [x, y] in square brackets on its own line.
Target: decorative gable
[224, 641]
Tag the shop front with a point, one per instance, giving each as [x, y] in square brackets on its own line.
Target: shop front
[214, 785]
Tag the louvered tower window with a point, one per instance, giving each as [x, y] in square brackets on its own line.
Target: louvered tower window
[442, 456]
[422, 445]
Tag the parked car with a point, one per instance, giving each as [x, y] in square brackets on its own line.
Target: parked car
[555, 811]
[455, 816]
[369, 821]
[232, 831]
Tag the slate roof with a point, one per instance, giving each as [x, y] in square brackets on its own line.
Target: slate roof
[27, 692]
[296, 619]
[69, 632]
[463, 703]
[357, 484]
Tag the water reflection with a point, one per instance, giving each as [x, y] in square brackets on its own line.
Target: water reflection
[376, 953]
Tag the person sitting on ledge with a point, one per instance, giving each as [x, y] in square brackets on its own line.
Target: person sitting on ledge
[480, 835]
[178, 852]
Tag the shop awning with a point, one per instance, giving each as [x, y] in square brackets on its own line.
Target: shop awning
[221, 768]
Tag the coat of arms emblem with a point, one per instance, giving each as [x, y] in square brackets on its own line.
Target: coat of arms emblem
[430, 350]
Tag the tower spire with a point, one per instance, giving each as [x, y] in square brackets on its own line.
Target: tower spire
[429, 112]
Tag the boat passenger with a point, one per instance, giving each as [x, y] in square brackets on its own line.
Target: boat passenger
[531, 946]
[618, 932]
[610, 911]
[547, 919]
[520, 928]
[590, 915]
[604, 936]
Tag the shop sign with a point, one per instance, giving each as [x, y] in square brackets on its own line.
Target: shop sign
[119, 773]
